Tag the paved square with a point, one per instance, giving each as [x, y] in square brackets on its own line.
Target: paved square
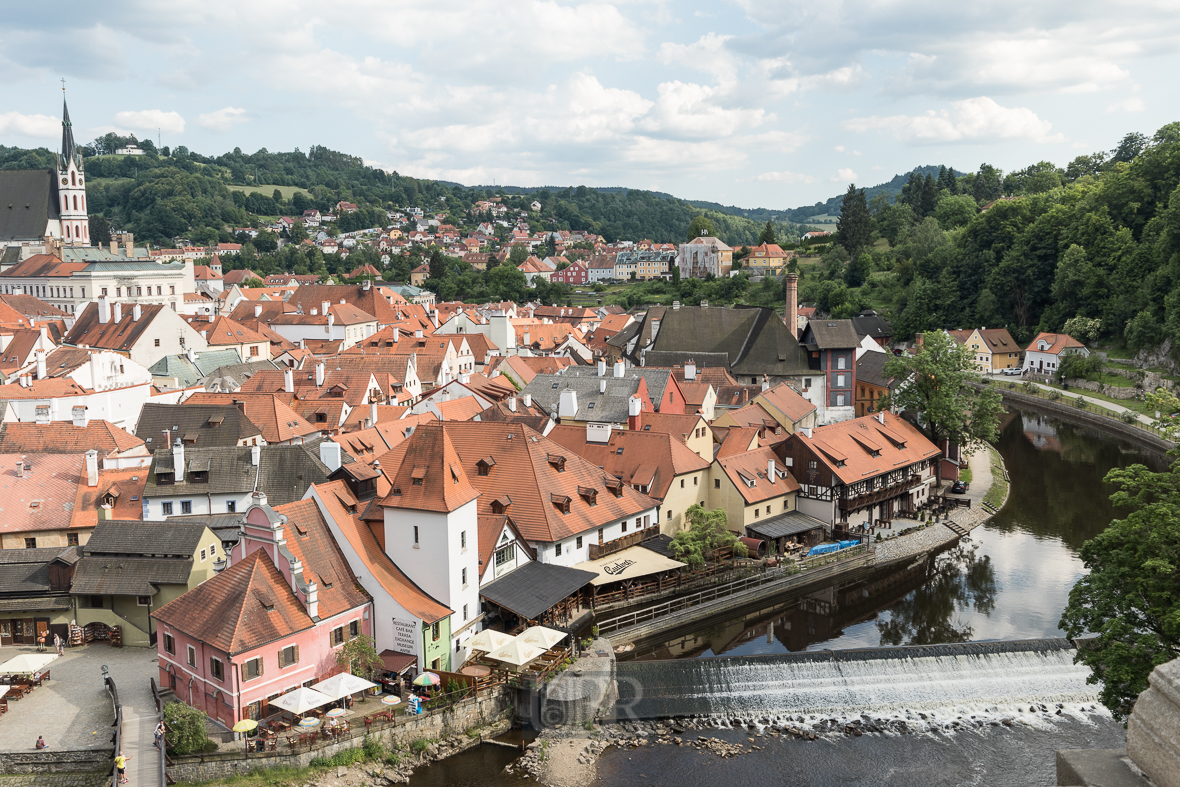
[73, 710]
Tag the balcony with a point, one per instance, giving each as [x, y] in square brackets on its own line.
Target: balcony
[619, 544]
[880, 495]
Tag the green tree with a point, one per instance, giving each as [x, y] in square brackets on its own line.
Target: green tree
[706, 534]
[857, 272]
[186, 728]
[1084, 329]
[266, 242]
[100, 230]
[438, 264]
[988, 184]
[359, 657]
[1130, 599]
[518, 254]
[492, 262]
[936, 389]
[701, 225]
[955, 211]
[854, 228]
[767, 235]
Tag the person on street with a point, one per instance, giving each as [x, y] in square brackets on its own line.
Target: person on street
[160, 730]
[121, 764]
[41, 744]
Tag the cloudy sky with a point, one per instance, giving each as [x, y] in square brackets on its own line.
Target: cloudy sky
[773, 103]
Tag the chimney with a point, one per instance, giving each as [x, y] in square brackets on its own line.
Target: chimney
[20, 469]
[330, 454]
[178, 460]
[464, 378]
[373, 413]
[397, 335]
[104, 309]
[418, 334]
[324, 307]
[567, 407]
[136, 312]
[765, 383]
[620, 368]
[704, 304]
[191, 354]
[331, 321]
[528, 339]
[315, 312]
[259, 497]
[805, 431]
[257, 311]
[78, 414]
[602, 385]
[255, 455]
[675, 306]
[770, 470]
[881, 417]
[690, 371]
[434, 318]
[41, 372]
[44, 335]
[634, 413]
[114, 247]
[792, 314]
[602, 367]
[319, 374]
[129, 244]
[209, 317]
[512, 403]
[92, 467]
[528, 400]
[24, 381]
[313, 604]
[167, 441]
[118, 315]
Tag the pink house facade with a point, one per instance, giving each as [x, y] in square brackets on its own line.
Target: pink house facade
[271, 621]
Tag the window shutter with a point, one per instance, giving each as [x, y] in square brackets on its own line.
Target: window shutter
[296, 659]
[282, 658]
[261, 666]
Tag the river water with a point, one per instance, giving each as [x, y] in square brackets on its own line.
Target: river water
[1009, 580]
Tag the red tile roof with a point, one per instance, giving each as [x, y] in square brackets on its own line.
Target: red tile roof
[747, 472]
[62, 437]
[847, 447]
[641, 453]
[310, 540]
[1056, 341]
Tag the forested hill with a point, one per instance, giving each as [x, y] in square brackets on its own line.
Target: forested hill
[167, 194]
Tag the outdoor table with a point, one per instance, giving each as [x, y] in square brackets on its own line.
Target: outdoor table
[476, 671]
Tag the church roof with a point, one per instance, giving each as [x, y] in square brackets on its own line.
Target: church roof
[69, 151]
[28, 202]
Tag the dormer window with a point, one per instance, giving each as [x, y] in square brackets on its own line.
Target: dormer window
[557, 461]
[589, 494]
[484, 466]
[615, 486]
[418, 476]
[561, 502]
[500, 504]
[199, 477]
[165, 478]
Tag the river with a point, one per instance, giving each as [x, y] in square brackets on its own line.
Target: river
[1009, 580]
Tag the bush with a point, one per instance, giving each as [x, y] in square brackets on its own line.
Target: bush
[419, 745]
[1079, 402]
[373, 748]
[340, 758]
[1054, 395]
[1128, 417]
[186, 728]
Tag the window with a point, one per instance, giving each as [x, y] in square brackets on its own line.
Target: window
[138, 291]
[104, 290]
[756, 512]
[72, 539]
[354, 629]
[231, 506]
[668, 516]
[839, 400]
[252, 669]
[415, 535]
[505, 555]
[159, 290]
[143, 601]
[806, 383]
[172, 290]
[435, 633]
[839, 381]
[186, 506]
[557, 549]
[167, 509]
[579, 542]
[157, 342]
[254, 349]
[96, 602]
[288, 656]
[30, 543]
[716, 483]
[118, 292]
[192, 656]
[463, 539]
[841, 362]
[169, 644]
[202, 556]
[624, 525]
[216, 669]
[337, 636]
[464, 618]
[695, 481]
[681, 483]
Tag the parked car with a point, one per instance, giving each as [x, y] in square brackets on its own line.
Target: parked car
[1014, 371]
[959, 488]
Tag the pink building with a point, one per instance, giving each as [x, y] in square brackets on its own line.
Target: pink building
[271, 621]
[576, 273]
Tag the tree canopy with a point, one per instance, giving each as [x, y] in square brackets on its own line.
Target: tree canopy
[854, 227]
[705, 535]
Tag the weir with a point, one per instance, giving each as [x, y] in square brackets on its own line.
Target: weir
[897, 680]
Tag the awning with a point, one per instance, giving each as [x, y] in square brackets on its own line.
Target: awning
[27, 662]
[341, 685]
[300, 700]
[397, 663]
[787, 524]
[535, 588]
[630, 563]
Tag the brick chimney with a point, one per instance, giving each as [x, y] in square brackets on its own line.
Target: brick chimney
[792, 314]
[634, 413]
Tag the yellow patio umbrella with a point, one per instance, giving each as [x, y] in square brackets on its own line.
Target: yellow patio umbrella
[245, 725]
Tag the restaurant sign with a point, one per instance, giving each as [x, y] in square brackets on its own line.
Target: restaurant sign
[404, 640]
[614, 569]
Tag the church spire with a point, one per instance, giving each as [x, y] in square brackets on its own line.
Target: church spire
[69, 151]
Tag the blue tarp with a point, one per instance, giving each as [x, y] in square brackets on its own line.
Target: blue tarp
[824, 549]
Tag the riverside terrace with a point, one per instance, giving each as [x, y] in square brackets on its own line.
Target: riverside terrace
[73, 712]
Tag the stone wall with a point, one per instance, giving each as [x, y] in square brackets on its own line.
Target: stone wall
[1153, 729]
[465, 715]
[46, 761]
[1113, 391]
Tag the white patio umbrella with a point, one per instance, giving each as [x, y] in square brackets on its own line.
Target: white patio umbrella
[301, 700]
[342, 685]
[488, 640]
[27, 662]
[541, 636]
[517, 653]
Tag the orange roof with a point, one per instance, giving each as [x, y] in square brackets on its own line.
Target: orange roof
[848, 447]
[747, 472]
[44, 498]
[734, 440]
[632, 456]
[277, 421]
[124, 487]
[339, 502]
[62, 437]
[462, 409]
[430, 477]
[786, 400]
[310, 540]
[1056, 341]
[224, 331]
[254, 604]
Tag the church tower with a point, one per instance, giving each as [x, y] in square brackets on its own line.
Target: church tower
[71, 187]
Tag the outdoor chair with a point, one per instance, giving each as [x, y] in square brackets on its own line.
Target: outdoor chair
[272, 743]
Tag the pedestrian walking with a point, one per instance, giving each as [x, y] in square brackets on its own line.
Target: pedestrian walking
[160, 730]
[121, 764]
[57, 644]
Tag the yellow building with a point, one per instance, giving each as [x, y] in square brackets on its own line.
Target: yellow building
[993, 349]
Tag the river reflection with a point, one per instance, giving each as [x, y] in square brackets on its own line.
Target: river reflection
[1009, 580]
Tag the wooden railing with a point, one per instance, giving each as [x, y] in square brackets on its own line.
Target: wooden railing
[619, 544]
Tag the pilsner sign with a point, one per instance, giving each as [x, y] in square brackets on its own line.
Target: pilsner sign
[403, 637]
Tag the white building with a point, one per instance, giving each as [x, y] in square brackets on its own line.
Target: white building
[111, 387]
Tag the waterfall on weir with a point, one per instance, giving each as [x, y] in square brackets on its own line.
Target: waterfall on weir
[976, 676]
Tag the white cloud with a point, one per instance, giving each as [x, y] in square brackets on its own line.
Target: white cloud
[974, 119]
[785, 177]
[839, 148]
[690, 110]
[845, 174]
[222, 119]
[150, 120]
[1132, 104]
[30, 125]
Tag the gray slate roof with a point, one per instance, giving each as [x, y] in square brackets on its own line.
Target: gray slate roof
[229, 424]
[231, 376]
[787, 524]
[535, 587]
[284, 472]
[32, 195]
[128, 576]
[869, 323]
[610, 407]
[147, 539]
[871, 369]
[830, 335]
[752, 341]
[657, 379]
[189, 373]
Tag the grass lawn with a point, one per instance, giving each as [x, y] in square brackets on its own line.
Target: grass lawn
[1117, 352]
[109, 181]
[999, 489]
[287, 191]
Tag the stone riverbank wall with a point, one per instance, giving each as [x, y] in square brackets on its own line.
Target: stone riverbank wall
[47, 761]
[1104, 424]
[464, 715]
